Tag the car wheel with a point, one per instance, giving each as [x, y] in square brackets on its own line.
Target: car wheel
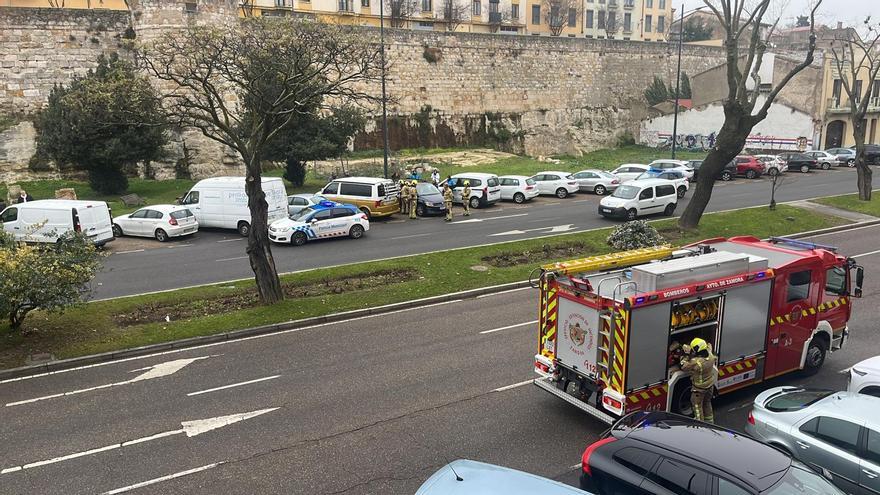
[356, 231]
[161, 235]
[751, 174]
[474, 202]
[670, 209]
[682, 191]
[298, 238]
[519, 198]
[366, 211]
[420, 211]
[600, 190]
[117, 231]
[726, 176]
[773, 172]
[561, 193]
[632, 214]
[826, 166]
[850, 163]
[681, 400]
[244, 229]
[815, 357]
[805, 169]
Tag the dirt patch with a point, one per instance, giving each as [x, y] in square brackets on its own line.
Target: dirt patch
[537, 256]
[465, 158]
[243, 299]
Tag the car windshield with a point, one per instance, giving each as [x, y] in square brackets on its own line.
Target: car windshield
[530, 181]
[301, 215]
[424, 189]
[625, 192]
[795, 400]
[800, 481]
[651, 174]
[317, 198]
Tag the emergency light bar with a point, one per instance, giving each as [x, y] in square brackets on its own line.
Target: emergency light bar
[802, 244]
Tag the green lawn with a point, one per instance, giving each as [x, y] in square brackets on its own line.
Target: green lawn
[851, 202]
[112, 325]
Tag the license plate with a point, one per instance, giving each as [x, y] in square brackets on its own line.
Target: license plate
[606, 210]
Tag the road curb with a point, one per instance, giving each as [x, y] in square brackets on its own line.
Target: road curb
[63, 364]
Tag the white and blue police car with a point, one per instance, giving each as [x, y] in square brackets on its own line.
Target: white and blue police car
[323, 220]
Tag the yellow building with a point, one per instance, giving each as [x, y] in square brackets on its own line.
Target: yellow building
[613, 19]
[657, 17]
[837, 129]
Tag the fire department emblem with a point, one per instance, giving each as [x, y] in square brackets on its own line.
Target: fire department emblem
[576, 333]
[580, 333]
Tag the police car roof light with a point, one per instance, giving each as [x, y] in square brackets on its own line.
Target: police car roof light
[327, 204]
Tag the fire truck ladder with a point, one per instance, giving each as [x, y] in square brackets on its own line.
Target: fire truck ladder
[608, 261]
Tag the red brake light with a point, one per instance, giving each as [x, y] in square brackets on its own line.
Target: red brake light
[172, 221]
[529, 188]
[541, 366]
[612, 402]
[615, 181]
[485, 191]
[585, 459]
[751, 418]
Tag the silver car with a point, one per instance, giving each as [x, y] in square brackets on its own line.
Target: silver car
[299, 202]
[836, 433]
[596, 181]
[826, 160]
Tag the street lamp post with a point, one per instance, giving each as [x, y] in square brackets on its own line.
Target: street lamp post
[677, 81]
[384, 110]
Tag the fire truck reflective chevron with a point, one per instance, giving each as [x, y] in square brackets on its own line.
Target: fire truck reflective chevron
[612, 327]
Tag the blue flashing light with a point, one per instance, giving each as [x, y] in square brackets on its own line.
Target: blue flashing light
[327, 204]
[640, 300]
[761, 275]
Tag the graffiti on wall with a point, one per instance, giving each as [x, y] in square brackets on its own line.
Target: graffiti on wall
[705, 142]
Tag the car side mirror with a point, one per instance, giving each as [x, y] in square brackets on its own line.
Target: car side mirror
[314, 220]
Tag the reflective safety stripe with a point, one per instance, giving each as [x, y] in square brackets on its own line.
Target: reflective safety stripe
[780, 319]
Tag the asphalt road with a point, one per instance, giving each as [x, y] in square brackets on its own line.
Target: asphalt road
[142, 265]
[368, 406]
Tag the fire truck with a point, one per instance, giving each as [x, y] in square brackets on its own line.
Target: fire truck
[612, 327]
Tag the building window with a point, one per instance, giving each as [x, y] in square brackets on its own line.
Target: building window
[345, 6]
[279, 3]
[478, 8]
[509, 29]
[627, 23]
[649, 4]
[426, 6]
[628, 4]
[648, 21]
[536, 15]
[661, 24]
[190, 7]
[589, 22]
[612, 21]
[514, 11]
[601, 23]
[662, 4]
[572, 17]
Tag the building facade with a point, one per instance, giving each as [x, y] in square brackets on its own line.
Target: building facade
[837, 130]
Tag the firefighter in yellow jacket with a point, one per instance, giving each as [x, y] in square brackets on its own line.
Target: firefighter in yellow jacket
[447, 201]
[404, 197]
[466, 198]
[413, 199]
[700, 363]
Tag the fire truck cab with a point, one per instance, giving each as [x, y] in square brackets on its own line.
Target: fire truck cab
[611, 327]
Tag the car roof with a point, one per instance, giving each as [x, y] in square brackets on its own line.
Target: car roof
[594, 170]
[666, 160]
[232, 180]
[363, 180]
[326, 205]
[514, 176]
[553, 172]
[163, 208]
[858, 407]
[478, 478]
[59, 203]
[648, 182]
[735, 453]
[476, 175]
[633, 165]
[871, 365]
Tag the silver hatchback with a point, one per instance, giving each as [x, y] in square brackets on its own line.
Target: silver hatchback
[836, 433]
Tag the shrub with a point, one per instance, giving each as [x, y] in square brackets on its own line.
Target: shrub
[295, 172]
[634, 235]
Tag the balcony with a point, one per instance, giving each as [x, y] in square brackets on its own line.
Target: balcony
[629, 4]
[494, 17]
[841, 105]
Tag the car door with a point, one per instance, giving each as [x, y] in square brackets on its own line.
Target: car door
[191, 201]
[672, 477]
[830, 446]
[321, 222]
[586, 180]
[539, 183]
[341, 221]
[646, 201]
[153, 222]
[869, 472]
[551, 183]
[793, 322]
[636, 464]
[136, 224]
[508, 188]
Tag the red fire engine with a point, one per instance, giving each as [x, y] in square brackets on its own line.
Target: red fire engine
[611, 327]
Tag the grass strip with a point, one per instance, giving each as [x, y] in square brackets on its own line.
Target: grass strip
[851, 202]
[112, 325]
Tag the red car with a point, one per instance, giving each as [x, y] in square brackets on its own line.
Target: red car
[749, 166]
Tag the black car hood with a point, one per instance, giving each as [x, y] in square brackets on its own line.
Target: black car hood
[432, 198]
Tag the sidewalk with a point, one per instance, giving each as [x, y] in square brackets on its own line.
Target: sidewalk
[830, 210]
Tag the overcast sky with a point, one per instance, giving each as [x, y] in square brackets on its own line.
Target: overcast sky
[831, 11]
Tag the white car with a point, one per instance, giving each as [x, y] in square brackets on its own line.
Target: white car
[864, 377]
[773, 165]
[640, 197]
[323, 220]
[629, 171]
[675, 177]
[517, 188]
[559, 184]
[825, 159]
[299, 202]
[485, 189]
[599, 182]
[160, 221]
[682, 166]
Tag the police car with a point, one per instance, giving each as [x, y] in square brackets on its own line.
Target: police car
[323, 220]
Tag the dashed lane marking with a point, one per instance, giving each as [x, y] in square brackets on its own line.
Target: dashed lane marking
[233, 385]
[413, 235]
[234, 240]
[515, 385]
[231, 259]
[508, 327]
[161, 479]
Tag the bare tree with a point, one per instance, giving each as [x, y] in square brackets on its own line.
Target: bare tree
[556, 14]
[454, 12]
[399, 11]
[613, 20]
[857, 60]
[241, 85]
[247, 8]
[745, 47]
[497, 17]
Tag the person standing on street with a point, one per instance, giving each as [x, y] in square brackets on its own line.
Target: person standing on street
[404, 197]
[466, 198]
[700, 363]
[435, 177]
[447, 201]
[24, 197]
[413, 199]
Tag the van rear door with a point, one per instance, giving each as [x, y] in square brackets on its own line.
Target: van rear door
[95, 222]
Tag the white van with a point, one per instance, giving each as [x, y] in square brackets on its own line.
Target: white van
[640, 197]
[48, 219]
[485, 189]
[223, 203]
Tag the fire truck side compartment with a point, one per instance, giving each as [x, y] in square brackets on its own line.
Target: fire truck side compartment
[648, 339]
[689, 270]
[745, 321]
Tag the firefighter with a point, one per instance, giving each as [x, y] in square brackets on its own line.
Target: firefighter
[466, 198]
[447, 201]
[413, 199]
[700, 363]
[404, 197]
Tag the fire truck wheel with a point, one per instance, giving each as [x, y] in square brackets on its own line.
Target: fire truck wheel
[815, 356]
[681, 399]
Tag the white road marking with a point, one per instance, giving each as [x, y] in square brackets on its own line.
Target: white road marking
[175, 246]
[502, 293]
[224, 387]
[553, 230]
[232, 259]
[508, 327]
[413, 235]
[474, 220]
[583, 201]
[234, 240]
[865, 254]
[161, 479]
[515, 385]
[157, 371]
[575, 466]
[130, 251]
[190, 428]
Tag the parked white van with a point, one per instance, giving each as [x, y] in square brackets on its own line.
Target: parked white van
[640, 197]
[223, 203]
[48, 219]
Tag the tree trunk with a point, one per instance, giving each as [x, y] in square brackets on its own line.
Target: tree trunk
[864, 173]
[729, 143]
[258, 247]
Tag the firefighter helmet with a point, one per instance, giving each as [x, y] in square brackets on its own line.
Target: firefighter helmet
[467, 182]
[699, 345]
